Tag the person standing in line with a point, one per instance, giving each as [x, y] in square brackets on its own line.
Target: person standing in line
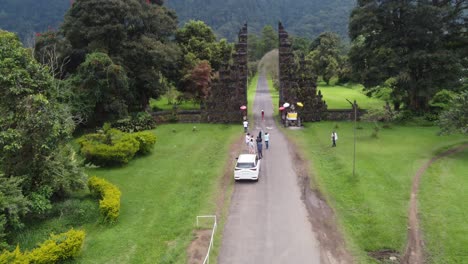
[266, 138]
[251, 146]
[334, 137]
[263, 116]
[247, 139]
[259, 148]
[246, 125]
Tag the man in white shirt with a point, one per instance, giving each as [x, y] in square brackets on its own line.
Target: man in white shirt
[246, 125]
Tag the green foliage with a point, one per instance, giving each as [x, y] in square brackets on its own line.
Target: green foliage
[113, 147]
[302, 18]
[422, 57]
[146, 139]
[56, 249]
[269, 40]
[13, 205]
[455, 118]
[100, 88]
[325, 55]
[442, 99]
[135, 122]
[28, 17]
[135, 36]
[109, 205]
[35, 128]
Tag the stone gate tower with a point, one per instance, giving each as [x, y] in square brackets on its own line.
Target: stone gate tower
[297, 82]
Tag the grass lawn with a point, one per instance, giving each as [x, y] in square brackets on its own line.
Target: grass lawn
[336, 95]
[251, 91]
[442, 198]
[371, 207]
[163, 104]
[162, 194]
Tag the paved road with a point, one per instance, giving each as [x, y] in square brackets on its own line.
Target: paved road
[268, 222]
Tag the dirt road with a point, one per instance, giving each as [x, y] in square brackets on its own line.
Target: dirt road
[268, 221]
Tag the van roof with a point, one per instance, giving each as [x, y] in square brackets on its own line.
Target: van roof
[246, 158]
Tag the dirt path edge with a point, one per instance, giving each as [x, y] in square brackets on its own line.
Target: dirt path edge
[198, 247]
[414, 252]
[322, 217]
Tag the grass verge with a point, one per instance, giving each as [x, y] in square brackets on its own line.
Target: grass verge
[164, 105]
[336, 95]
[442, 210]
[162, 193]
[251, 91]
[274, 95]
[372, 206]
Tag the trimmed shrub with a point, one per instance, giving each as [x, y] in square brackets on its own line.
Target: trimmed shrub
[109, 205]
[56, 249]
[114, 147]
[136, 122]
[14, 257]
[146, 140]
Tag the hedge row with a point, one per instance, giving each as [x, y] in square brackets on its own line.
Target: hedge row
[114, 147]
[56, 249]
[109, 205]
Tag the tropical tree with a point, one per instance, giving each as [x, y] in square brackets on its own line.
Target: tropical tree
[455, 118]
[418, 44]
[325, 55]
[135, 34]
[269, 39]
[35, 129]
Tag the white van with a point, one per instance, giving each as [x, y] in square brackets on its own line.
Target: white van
[247, 167]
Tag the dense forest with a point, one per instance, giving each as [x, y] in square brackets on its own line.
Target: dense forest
[26, 17]
[304, 18]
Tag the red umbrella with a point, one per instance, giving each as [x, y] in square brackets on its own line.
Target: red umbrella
[243, 107]
[281, 108]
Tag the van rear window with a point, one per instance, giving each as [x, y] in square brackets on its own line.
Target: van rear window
[245, 165]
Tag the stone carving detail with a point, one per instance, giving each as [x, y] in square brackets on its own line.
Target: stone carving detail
[229, 88]
[297, 83]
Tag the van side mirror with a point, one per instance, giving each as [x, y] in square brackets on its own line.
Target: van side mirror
[237, 158]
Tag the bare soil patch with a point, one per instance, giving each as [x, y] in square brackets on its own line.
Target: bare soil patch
[414, 253]
[321, 215]
[198, 248]
[386, 255]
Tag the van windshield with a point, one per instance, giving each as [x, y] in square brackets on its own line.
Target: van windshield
[245, 165]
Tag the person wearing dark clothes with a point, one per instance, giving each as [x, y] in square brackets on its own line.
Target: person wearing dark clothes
[259, 148]
[263, 116]
[259, 137]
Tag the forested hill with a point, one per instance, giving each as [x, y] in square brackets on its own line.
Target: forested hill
[26, 17]
[300, 17]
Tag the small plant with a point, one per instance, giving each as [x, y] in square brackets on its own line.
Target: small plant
[109, 205]
[336, 126]
[56, 249]
[375, 133]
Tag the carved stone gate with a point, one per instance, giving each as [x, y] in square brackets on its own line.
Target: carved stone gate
[229, 89]
[297, 83]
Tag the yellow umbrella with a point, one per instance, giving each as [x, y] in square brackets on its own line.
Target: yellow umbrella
[300, 104]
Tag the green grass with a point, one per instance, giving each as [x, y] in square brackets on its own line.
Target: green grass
[371, 207]
[336, 95]
[442, 198]
[162, 194]
[163, 104]
[274, 95]
[251, 91]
